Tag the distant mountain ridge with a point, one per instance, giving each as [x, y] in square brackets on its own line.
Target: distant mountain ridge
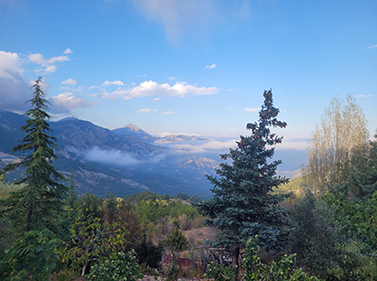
[120, 162]
[135, 131]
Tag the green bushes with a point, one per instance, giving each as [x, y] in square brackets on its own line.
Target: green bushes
[120, 267]
[283, 268]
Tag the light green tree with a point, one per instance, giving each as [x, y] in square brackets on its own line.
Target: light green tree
[343, 128]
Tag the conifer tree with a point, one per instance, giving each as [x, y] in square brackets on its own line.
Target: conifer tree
[35, 206]
[243, 204]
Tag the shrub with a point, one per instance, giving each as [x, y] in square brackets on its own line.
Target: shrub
[122, 267]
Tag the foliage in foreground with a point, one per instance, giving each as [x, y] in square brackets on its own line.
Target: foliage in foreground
[34, 254]
[254, 270]
[120, 267]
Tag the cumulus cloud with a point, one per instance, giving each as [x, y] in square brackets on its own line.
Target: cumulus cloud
[168, 112]
[251, 109]
[156, 99]
[14, 91]
[372, 47]
[48, 65]
[10, 66]
[116, 82]
[66, 102]
[212, 66]
[68, 51]
[146, 110]
[151, 88]
[69, 81]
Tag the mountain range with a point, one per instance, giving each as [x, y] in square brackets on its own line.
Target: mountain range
[121, 161]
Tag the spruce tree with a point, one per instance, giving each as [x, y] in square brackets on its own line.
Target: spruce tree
[243, 203]
[35, 206]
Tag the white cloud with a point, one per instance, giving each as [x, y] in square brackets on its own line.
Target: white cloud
[92, 87]
[10, 66]
[251, 109]
[68, 51]
[171, 78]
[212, 66]
[118, 157]
[66, 102]
[116, 82]
[363, 96]
[372, 47]
[146, 110]
[168, 112]
[212, 145]
[151, 88]
[179, 17]
[141, 75]
[231, 90]
[156, 99]
[299, 144]
[69, 81]
[48, 64]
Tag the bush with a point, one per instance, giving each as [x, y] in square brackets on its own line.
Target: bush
[34, 254]
[122, 267]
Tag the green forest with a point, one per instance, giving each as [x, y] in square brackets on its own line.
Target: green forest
[257, 225]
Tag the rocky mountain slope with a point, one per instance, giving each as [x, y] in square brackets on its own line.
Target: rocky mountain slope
[119, 163]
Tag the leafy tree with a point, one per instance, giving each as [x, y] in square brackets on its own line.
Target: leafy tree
[318, 234]
[100, 229]
[243, 204]
[343, 128]
[35, 206]
[34, 254]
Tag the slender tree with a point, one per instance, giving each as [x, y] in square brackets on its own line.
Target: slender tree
[35, 206]
[243, 204]
[342, 130]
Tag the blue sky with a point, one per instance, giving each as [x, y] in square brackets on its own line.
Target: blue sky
[193, 67]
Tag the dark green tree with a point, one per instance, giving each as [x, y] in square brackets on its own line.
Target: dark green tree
[243, 204]
[36, 205]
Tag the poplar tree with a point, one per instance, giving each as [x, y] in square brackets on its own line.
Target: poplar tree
[341, 132]
[35, 206]
[243, 203]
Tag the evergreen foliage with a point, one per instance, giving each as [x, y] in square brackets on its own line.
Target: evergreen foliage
[35, 206]
[176, 241]
[243, 204]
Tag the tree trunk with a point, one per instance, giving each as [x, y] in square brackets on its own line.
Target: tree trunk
[236, 253]
[84, 268]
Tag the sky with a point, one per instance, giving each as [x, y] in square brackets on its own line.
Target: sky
[190, 67]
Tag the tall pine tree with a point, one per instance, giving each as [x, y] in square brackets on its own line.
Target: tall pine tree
[36, 205]
[243, 203]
